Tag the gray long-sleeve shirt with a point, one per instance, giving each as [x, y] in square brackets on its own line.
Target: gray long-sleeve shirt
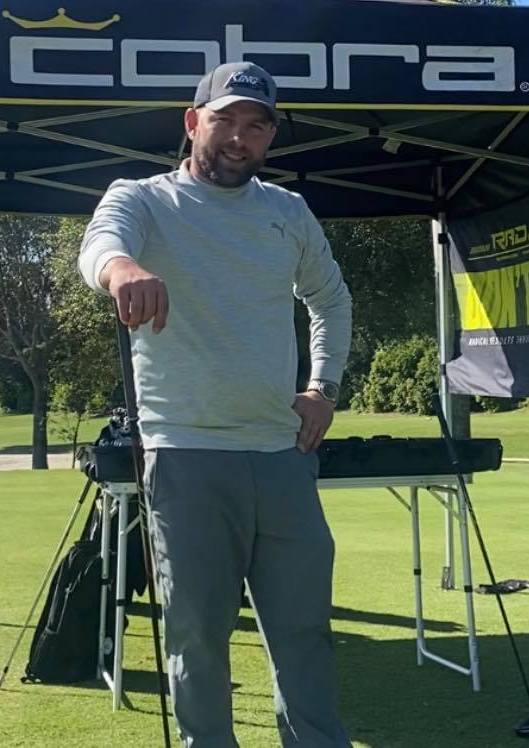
[222, 373]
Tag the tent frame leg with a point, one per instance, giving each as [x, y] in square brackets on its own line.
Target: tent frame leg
[445, 324]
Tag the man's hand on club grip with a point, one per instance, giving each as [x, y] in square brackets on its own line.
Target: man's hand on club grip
[140, 295]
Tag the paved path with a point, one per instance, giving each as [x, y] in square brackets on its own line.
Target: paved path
[23, 461]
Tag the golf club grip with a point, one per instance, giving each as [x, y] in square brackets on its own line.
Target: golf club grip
[130, 397]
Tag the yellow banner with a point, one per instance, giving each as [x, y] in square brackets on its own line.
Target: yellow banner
[488, 299]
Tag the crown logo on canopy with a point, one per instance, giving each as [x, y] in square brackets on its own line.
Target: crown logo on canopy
[61, 21]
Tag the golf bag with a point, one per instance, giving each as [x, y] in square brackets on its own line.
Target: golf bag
[65, 643]
[64, 648]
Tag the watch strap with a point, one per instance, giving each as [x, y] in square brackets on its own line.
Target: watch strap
[327, 389]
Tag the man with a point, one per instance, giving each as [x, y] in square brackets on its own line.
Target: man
[211, 255]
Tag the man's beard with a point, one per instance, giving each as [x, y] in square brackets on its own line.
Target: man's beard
[211, 168]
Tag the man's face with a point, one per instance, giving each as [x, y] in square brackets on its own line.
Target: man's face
[229, 146]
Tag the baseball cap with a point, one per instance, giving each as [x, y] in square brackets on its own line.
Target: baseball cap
[236, 81]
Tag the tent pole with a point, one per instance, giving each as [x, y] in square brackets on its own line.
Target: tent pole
[444, 305]
[445, 339]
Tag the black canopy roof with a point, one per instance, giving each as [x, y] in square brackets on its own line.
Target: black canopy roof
[374, 97]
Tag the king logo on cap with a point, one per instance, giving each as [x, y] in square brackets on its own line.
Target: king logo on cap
[243, 80]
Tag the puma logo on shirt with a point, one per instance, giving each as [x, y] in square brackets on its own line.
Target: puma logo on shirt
[275, 225]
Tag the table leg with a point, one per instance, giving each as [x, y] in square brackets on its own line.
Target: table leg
[468, 590]
[121, 583]
[414, 505]
[448, 577]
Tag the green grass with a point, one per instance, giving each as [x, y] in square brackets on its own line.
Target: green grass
[512, 428]
[16, 431]
[386, 700]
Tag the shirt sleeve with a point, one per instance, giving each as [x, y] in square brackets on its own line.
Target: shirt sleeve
[319, 284]
[119, 228]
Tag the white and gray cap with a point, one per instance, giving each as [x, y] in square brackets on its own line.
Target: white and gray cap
[236, 81]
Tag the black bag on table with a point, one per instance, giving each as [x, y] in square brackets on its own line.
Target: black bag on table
[380, 456]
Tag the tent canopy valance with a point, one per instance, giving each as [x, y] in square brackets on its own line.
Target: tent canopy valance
[374, 97]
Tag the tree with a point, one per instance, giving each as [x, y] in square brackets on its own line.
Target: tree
[71, 404]
[388, 267]
[26, 325]
[51, 326]
[84, 365]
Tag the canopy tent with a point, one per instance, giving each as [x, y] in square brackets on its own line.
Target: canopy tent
[375, 96]
[388, 108]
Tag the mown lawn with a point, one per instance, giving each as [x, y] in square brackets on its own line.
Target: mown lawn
[16, 431]
[386, 700]
[512, 428]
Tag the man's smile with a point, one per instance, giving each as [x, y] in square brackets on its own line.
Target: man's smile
[233, 157]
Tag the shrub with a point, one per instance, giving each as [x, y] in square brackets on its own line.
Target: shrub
[403, 377]
[497, 404]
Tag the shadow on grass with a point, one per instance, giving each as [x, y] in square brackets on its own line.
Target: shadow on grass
[389, 619]
[139, 608]
[387, 701]
[17, 626]
[247, 623]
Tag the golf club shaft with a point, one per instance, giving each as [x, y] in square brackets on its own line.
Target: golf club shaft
[137, 453]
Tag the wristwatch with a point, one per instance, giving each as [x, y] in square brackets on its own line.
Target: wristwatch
[328, 390]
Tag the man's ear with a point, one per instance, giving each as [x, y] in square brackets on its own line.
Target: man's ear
[273, 133]
[190, 122]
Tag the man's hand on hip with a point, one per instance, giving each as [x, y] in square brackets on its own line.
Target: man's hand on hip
[316, 415]
[140, 295]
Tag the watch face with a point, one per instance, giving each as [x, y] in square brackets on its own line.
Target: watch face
[329, 391]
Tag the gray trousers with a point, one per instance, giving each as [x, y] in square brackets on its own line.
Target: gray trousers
[220, 516]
